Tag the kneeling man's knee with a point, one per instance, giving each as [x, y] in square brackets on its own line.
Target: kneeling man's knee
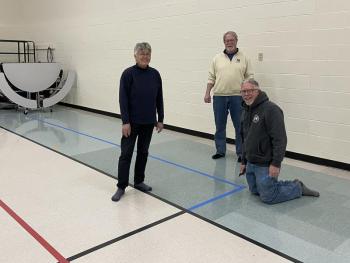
[267, 195]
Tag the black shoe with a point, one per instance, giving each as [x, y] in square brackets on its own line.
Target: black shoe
[143, 187]
[218, 155]
[116, 197]
[239, 160]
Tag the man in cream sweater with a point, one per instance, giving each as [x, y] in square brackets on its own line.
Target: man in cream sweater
[227, 72]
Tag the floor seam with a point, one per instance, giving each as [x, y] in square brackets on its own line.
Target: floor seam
[124, 236]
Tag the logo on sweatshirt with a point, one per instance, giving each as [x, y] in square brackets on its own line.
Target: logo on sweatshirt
[238, 60]
[256, 118]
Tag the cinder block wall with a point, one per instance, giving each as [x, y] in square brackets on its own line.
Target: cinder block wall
[305, 46]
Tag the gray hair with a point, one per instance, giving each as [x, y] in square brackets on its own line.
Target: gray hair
[252, 82]
[142, 46]
[230, 33]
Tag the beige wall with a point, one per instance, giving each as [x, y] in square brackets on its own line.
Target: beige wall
[9, 13]
[305, 46]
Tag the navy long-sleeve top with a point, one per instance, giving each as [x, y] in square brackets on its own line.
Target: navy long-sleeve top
[141, 96]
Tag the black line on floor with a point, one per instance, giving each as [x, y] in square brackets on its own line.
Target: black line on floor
[136, 231]
[289, 154]
[60, 153]
[246, 238]
[183, 210]
[94, 168]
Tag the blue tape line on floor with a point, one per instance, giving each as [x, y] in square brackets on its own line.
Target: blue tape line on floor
[211, 200]
[151, 156]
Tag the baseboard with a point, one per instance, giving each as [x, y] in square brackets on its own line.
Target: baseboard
[292, 155]
[107, 113]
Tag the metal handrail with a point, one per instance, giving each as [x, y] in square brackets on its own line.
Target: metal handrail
[25, 44]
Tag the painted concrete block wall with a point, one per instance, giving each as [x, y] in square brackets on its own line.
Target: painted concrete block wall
[9, 13]
[305, 67]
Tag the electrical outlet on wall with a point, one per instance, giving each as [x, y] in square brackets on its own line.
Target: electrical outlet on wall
[260, 56]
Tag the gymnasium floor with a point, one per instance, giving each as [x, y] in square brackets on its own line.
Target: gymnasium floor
[58, 173]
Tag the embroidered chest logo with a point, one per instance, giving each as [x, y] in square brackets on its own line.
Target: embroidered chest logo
[238, 60]
[256, 118]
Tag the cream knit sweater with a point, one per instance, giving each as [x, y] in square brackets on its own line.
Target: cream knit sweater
[227, 75]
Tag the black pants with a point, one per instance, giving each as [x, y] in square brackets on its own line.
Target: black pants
[143, 134]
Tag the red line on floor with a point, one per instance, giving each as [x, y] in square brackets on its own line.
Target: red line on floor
[34, 234]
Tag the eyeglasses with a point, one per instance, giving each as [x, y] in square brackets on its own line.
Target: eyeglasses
[247, 91]
[143, 54]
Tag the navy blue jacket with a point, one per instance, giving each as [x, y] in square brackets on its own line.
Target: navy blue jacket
[141, 96]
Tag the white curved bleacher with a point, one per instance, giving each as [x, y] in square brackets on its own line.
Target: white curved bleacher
[34, 77]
